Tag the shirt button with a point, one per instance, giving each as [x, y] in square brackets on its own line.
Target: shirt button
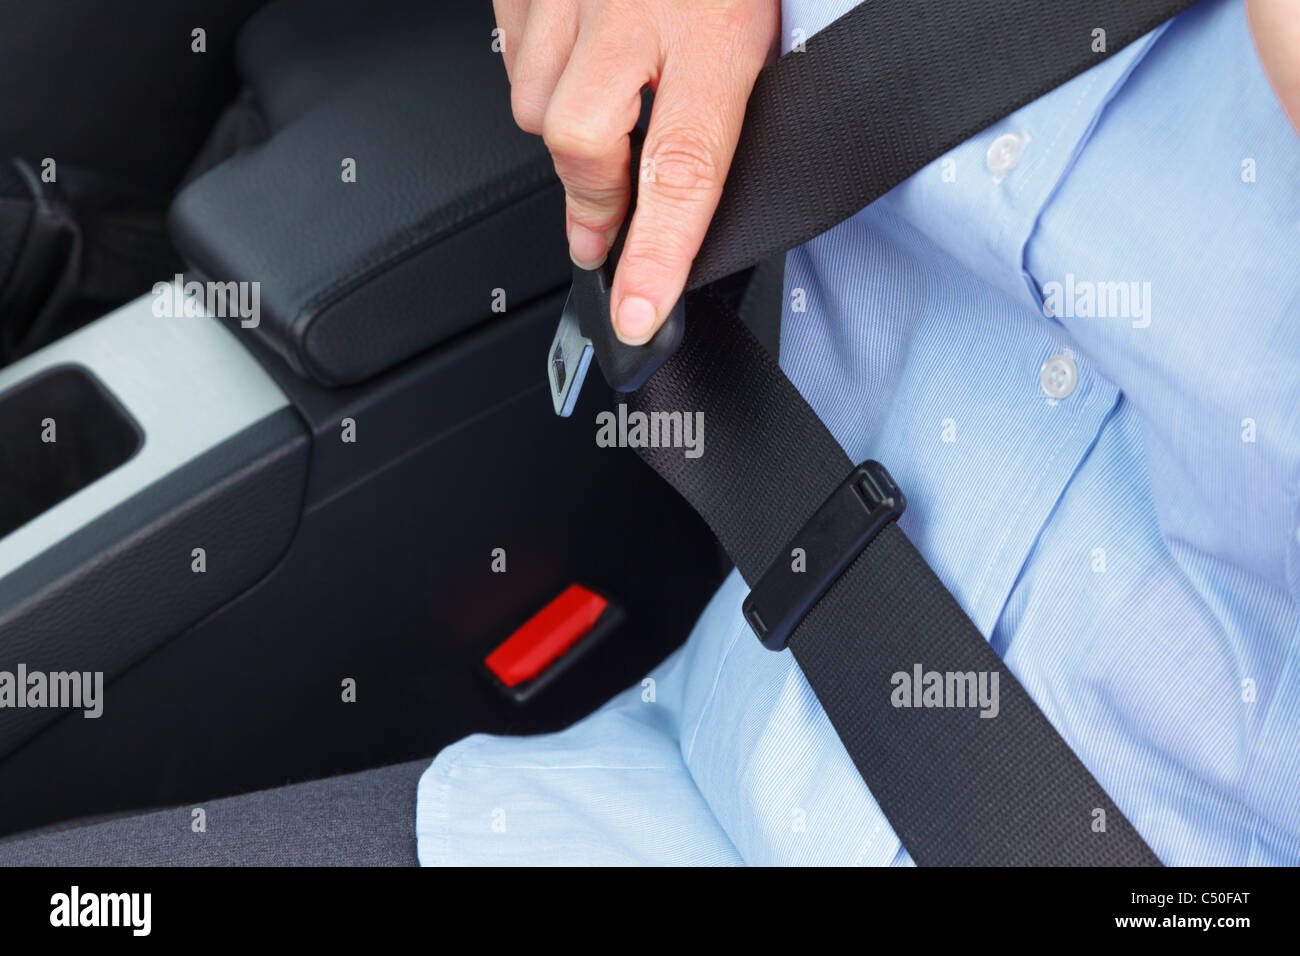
[1004, 153]
[1058, 376]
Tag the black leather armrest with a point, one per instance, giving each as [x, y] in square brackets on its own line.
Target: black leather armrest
[451, 201]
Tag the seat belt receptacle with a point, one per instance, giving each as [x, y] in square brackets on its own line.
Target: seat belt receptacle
[831, 540]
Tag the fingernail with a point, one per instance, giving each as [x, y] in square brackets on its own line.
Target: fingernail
[636, 320]
[587, 248]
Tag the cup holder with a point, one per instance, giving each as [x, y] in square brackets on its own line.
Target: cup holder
[60, 431]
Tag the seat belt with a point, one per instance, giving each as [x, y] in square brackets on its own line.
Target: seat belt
[881, 92]
[886, 89]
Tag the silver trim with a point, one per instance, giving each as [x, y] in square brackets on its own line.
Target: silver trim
[188, 384]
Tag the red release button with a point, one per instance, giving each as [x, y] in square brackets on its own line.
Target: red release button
[547, 635]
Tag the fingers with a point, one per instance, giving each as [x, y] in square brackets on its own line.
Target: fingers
[510, 17]
[595, 104]
[694, 127]
[577, 68]
[540, 56]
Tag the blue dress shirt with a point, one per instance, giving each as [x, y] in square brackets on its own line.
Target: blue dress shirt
[1075, 342]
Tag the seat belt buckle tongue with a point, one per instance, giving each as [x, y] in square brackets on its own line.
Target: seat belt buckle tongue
[585, 329]
[813, 560]
[568, 360]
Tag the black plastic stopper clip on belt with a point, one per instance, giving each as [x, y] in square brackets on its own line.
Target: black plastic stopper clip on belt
[813, 560]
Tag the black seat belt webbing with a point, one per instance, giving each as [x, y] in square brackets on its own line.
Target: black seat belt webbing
[881, 92]
[958, 789]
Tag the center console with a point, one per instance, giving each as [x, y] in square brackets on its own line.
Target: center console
[361, 486]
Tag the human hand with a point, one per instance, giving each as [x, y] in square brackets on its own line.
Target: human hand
[577, 69]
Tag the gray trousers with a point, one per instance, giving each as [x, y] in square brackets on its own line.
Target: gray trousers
[363, 819]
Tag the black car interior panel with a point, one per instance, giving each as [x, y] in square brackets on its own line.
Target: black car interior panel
[425, 235]
[266, 512]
